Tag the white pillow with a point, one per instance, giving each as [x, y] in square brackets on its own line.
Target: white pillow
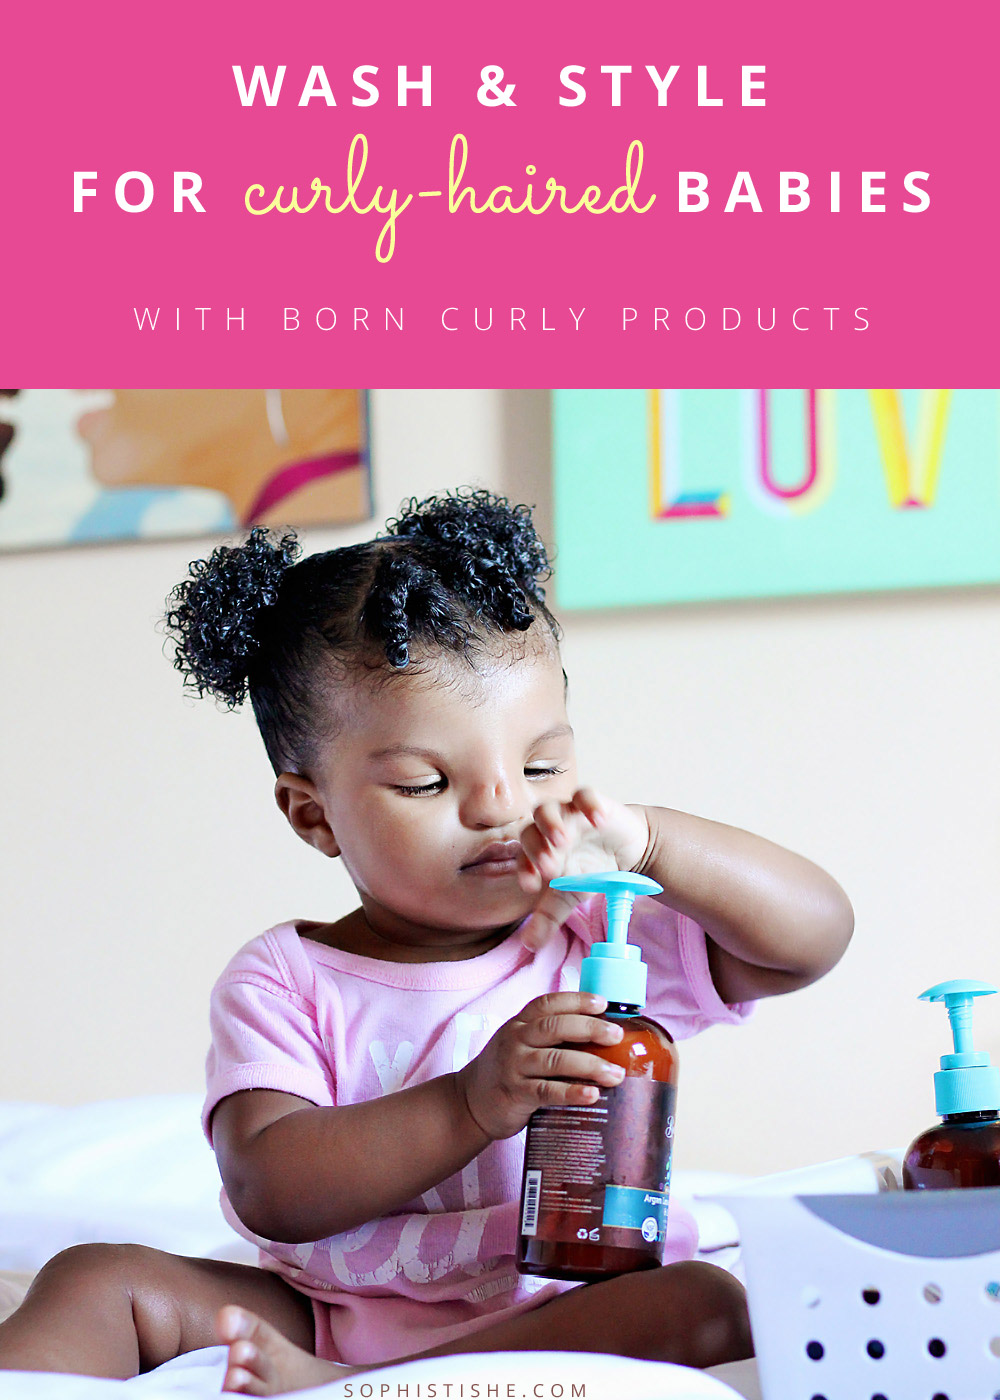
[128, 1170]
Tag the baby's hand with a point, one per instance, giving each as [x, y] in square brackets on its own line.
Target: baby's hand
[588, 833]
[527, 1065]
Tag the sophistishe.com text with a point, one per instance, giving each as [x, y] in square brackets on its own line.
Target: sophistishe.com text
[465, 1390]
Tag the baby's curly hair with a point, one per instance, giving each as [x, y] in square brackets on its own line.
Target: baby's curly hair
[452, 572]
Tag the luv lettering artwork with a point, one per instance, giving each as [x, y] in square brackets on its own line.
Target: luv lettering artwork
[687, 494]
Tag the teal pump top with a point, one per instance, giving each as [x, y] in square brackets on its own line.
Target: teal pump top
[968, 1081]
[614, 969]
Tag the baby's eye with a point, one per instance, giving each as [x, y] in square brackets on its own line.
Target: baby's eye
[542, 772]
[417, 789]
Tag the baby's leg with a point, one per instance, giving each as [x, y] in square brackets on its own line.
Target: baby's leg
[117, 1310]
[694, 1314]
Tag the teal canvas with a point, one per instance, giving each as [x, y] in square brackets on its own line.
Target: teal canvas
[678, 495]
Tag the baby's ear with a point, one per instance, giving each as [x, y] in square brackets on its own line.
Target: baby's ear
[302, 805]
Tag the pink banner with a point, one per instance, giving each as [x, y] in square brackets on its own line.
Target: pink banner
[222, 193]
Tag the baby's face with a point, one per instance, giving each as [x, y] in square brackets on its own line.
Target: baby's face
[427, 773]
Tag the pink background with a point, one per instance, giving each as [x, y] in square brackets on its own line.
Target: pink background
[859, 85]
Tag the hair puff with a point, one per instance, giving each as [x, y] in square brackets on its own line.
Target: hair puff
[484, 548]
[216, 615]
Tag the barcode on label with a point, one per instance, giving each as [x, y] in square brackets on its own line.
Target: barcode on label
[532, 1191]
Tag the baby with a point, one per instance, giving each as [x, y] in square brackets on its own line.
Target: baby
[370, 1078]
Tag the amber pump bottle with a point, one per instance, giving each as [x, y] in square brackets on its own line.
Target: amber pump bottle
[597, 1176]
[964, 1149]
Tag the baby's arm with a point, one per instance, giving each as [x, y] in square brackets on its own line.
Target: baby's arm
[295, 1172]
[774, 920]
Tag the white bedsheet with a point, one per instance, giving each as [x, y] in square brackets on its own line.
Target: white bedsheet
[540, 1375]
[124, 1171]
[139, 1170]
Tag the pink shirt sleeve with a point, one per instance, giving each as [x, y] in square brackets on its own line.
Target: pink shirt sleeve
[264, 1029]
[680, 991]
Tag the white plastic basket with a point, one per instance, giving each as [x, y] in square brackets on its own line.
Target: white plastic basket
[885, 1297]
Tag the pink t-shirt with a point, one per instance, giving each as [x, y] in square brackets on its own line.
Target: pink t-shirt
[334, 1028]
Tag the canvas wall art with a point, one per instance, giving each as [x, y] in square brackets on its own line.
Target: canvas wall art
[79, 466]
[678, 495]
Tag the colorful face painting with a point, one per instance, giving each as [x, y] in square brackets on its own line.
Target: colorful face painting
[79, 466]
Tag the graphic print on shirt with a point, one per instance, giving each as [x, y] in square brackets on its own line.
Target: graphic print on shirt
[391, 1073]
[429, 1247]
[358, 1258]
[301, 1256]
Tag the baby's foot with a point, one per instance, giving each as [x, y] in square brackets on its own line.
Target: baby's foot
[263, 1362]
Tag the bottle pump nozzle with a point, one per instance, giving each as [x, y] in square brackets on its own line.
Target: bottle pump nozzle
[613, 969]
[968, 1081]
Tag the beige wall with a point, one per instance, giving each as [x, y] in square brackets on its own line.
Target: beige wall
[141, 846]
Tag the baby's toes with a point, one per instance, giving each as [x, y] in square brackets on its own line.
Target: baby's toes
[247, 1367]
[263, 1362]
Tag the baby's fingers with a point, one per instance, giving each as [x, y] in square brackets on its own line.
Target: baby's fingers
[527, 876]
[544, 842]
[547, 1031]
[554, 1093]
[550, 913]
[559, 1003]
[588, 802]
[558, 1063]
[549, 820]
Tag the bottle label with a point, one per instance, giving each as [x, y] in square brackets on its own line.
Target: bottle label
[602, 1172]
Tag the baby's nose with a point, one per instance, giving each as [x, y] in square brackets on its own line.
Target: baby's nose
[493, 803]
